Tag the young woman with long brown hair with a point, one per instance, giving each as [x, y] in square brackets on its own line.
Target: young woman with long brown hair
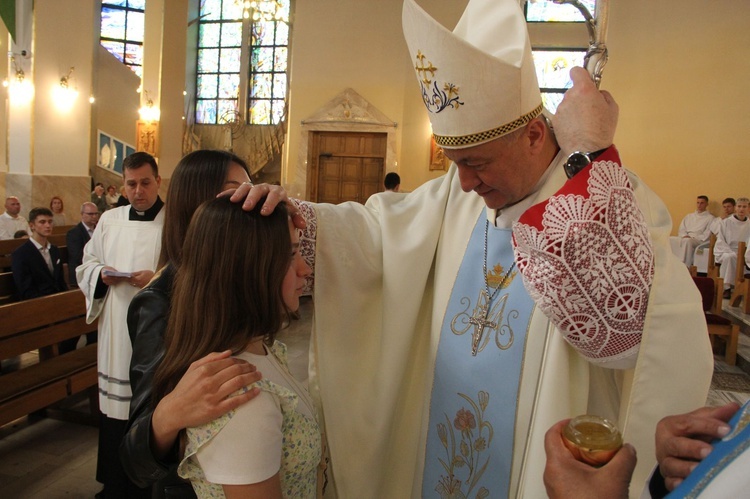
[241, 275]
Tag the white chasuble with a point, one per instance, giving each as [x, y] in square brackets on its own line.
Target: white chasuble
[127, 246]
[385, 275]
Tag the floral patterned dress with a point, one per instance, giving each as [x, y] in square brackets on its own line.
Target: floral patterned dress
[301, 445]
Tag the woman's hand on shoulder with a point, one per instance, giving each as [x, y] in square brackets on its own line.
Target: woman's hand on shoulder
[202, 395]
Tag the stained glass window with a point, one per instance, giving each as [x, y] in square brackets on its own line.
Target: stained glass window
[553, 72]
[548, 11]
[122, 31]
[219, 56]
[222, 88]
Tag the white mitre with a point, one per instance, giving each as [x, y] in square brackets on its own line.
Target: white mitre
[477, 82]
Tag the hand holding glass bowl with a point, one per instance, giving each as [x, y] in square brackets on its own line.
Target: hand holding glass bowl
[592, 439]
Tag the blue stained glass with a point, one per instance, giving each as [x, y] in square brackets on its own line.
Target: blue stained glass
[278, 111]
[232, 10]
[230, 60]
[227, 111]
[113, 23]
[279, 85]
[231, 34]
[279, 62]
[209, 35]
[208, 60]
[546, 11]
[134, 54]
[207, 86]
[205, 111]
[135, 26]
[228, 85]
[261, 86]
[117, 49]
[119, 3]
[137, 4]
[282, 33]
[260, 112]
[211, 9]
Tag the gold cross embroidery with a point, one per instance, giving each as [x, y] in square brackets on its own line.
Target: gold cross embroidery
[424, 69]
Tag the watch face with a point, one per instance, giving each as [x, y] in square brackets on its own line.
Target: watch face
[576, 162]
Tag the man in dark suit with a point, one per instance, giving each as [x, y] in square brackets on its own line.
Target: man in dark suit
[78, 236]
[36, 264]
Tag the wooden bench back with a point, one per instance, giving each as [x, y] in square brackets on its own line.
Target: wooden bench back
[42, 322]
[713, 270]
[741, 270]
[62, 229]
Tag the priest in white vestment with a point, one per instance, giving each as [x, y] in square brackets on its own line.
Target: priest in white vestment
[695, 229]
[118, 261]
[452, 328]
[732, 230]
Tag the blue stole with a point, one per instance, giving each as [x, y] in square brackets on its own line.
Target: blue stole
[470, 437]
[724, 452]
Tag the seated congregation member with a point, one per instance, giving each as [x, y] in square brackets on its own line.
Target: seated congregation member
[37, 267]
[148, 449]
[77, 237]
[695, 229]
[112, 196]
[36, 264]
[240, 276]
[58, 211]
[10, 221]
[733, 229]
[727, 210]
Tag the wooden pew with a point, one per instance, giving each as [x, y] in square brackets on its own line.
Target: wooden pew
[40, 324]
[62, 229]
[741, 281]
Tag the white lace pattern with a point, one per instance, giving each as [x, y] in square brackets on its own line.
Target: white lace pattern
[590, 269]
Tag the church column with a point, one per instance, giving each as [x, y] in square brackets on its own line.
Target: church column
[164, 75]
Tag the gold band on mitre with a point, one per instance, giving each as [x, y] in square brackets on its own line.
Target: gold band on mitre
[459, 141]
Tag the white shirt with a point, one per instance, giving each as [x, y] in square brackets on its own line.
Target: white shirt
[10, 225]
[696, 225]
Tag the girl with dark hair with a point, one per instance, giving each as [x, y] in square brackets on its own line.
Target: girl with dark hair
[148, 452]
[240, 276]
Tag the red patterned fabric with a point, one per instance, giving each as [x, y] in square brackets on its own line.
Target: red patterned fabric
[587, 260]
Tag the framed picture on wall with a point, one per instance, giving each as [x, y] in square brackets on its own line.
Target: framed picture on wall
[104, 154]
[119, 155]
[438, 161]
[111, 152]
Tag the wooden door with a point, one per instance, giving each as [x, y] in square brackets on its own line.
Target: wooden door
[346, 166]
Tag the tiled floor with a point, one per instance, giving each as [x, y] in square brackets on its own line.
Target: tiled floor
[53, 459]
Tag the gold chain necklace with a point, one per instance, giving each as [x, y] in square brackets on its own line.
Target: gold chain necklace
[479, 317]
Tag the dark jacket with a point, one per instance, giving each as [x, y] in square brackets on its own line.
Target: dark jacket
[76, 239]
[31, 274]
[147, 323]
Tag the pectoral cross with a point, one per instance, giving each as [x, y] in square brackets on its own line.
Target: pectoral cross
[479, 321]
